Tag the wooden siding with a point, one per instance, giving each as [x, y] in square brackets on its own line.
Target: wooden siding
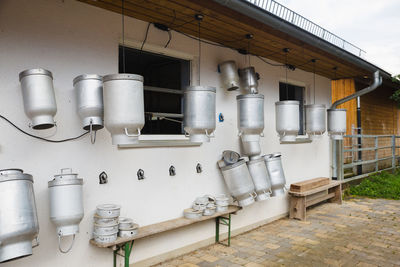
[340, 89]
[379, 116]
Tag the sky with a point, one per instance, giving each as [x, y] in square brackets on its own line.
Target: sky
[372, 25]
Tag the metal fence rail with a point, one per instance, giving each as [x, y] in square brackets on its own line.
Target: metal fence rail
[376, 156]
[289, 15]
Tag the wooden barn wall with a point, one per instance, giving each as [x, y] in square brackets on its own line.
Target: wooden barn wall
[340, 89]
[379, 116]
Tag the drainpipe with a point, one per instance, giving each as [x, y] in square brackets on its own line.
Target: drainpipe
[377, 82]
[336, 172]
[359, 167]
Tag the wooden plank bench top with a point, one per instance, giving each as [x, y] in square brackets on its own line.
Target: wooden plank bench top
[156, 228]
[315, 190]
[309, 184]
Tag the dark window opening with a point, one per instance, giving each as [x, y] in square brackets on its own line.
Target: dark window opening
[160, 74]
[293, 92]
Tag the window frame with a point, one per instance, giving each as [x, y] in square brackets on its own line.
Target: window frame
[303, 138]
[162, 140]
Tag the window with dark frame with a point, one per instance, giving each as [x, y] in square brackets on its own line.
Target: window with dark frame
[293, 92]
[164, 80]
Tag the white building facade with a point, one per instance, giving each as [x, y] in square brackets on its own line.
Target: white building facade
[71, 38]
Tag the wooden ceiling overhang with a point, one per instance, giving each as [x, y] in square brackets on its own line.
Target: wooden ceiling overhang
[225, 26]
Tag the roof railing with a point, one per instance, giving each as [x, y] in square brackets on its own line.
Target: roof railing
[292, 17]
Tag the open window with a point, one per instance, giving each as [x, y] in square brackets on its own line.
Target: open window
[294, 92]
[165, 78]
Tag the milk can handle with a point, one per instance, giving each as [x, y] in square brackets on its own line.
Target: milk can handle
[240, 133]
[63, 170]
[92, 133]
[212, 134]
[36, 242]
[70, 247]
[132, 135]
[253, 194]
[286, 187]
[186, 134]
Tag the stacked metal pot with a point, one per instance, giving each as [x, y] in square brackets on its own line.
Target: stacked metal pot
[106, 226]
[222, 203]
[202, 206]
[127, 227]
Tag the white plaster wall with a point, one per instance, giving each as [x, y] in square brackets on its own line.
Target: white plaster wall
[71, 38]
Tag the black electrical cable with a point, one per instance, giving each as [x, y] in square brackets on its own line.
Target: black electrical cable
[123, 36]
[269, 63]
[225, 46]
[41, 138]
[199, 54]
[306, 63]
[186, 22]
[173, 19]
[145, 37]
[203, 41]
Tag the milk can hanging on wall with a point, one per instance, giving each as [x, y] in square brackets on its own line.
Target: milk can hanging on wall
[89, 96]
[18, 216]
[337, 123]
[123, 107]
[66, 204]
[199, 112]
[38, 96]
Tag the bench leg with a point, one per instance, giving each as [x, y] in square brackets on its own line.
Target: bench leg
[297, 208]
[127, 247]
[338, 194]
[115, 252]
[224, 221]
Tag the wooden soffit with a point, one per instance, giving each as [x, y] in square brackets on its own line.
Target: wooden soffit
[228, 27]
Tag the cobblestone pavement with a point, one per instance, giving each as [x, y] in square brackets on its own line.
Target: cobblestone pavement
[361, 232]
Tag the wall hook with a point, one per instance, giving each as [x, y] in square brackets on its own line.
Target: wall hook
[221, 117]
[103, 178]
[199, 169]
[140, 174]
[172, 171]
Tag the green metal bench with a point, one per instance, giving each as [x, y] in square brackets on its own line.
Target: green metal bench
[125, 244]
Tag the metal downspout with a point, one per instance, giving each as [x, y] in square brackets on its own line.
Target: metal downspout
[338, 158]
[377, 82]
[359, 144]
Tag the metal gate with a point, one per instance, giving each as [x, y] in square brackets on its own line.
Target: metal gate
[361, 155]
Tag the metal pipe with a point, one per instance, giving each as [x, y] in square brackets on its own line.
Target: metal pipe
[250, 10]
[377, 82]
[359, 144]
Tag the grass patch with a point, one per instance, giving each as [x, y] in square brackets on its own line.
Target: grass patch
[383, 185]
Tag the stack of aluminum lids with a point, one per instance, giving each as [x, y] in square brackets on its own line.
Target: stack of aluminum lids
[106, 223]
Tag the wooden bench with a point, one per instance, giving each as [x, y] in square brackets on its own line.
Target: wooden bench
[299, 201]
[126, 244]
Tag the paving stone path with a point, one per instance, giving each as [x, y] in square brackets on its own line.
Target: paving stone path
[361, 232]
